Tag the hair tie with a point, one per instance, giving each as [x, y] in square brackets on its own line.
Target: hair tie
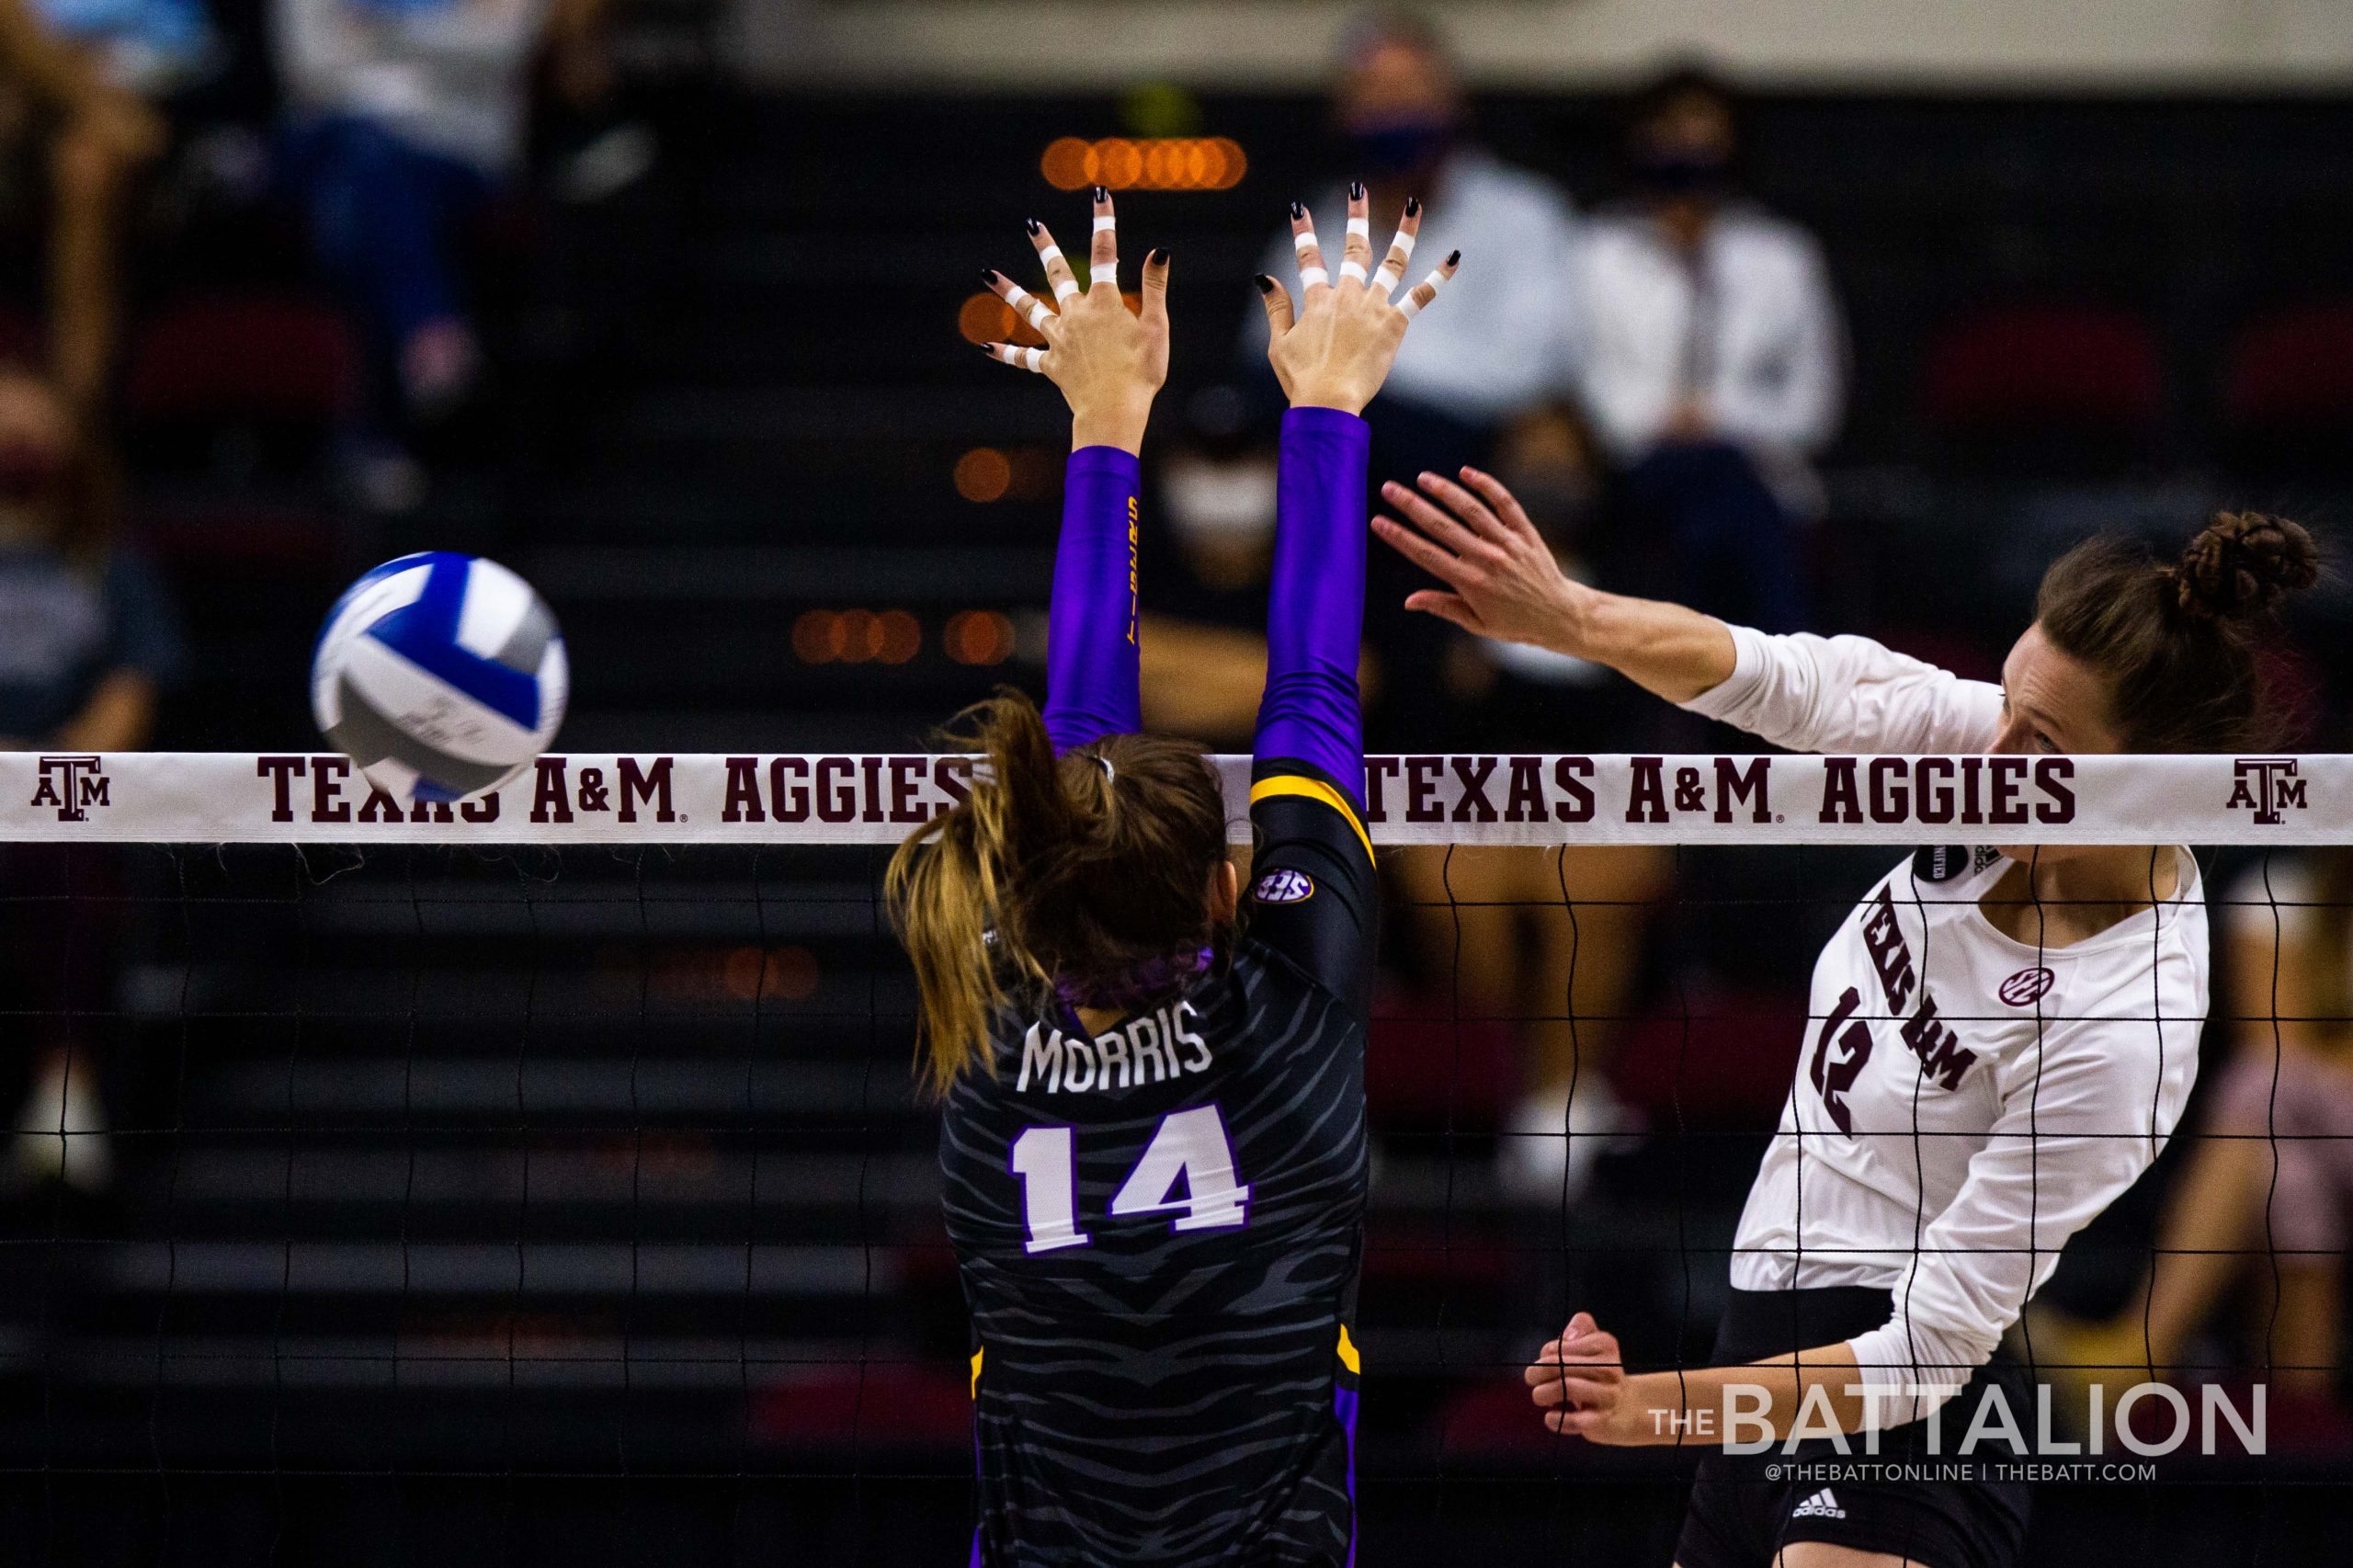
[1109, 771]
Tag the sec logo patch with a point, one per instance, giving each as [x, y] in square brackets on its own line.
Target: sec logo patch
[1284, 887]
[2026, 986]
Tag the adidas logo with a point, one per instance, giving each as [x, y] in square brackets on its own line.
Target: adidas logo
[1821, 1506]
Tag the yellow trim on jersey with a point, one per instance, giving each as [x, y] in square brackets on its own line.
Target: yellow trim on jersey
[983, 1351]
[1312, 789]
[1348, 1356]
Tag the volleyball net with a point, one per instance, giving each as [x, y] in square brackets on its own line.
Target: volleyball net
[569, 1136]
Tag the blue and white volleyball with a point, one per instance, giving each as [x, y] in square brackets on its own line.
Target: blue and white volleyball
[441, 675]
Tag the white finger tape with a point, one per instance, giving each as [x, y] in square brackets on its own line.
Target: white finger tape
[1033, 310]
[1064, 290]
[1360, 229]
[1106, 275]
[1403, 244]
[1386, 281]
[1106, 224]
[1304, 241]
[1352, 269]
[1411, 305]
[1033, 359]
[1050, 255]
[1313, 277]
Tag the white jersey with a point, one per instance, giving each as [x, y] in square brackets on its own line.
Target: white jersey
[1964, 1101]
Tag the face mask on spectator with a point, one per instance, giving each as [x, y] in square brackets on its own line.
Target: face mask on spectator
[1386, 148]
[1682, 171]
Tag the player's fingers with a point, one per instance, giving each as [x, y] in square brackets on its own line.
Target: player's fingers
[1355, 251]
[1278, 302]
[1103, 255]
[1471, 512]
[1401, 250]
[1022, 358]
[1445, 535]
[1058, 276]
[1461, 535]
[1026, 305]
[1515, 517]
[1311, 275]
[1446, 568]
[1417, 302]
[1156, 287]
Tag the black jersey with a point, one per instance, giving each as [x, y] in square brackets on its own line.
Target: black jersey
[1160, 1230]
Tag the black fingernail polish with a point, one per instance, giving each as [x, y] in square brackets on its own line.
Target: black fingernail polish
[1356, 190]
[1298, 210]
[1455, 259]
[1265, 284]
[989, 349]
[988, 276]
[1032, 224]
[1412, 206]
[1101, 195]
[1159, 256]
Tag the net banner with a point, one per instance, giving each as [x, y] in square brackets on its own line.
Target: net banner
[279, 798]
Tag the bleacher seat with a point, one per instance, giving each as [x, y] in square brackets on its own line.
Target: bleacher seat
[2288, 388]
[2057, 385]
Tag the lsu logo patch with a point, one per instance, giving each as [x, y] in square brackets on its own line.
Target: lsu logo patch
[1284, 887]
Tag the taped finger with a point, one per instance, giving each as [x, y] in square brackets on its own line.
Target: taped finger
[1417, 302]
[1355, 250]
[1050, 255]
[1026, 305]
[1401, 251]
[1103, 255]
[1022, 358]
[1311, 254]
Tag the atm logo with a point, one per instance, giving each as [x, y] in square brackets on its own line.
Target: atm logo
[72, 784]
[2268, 786]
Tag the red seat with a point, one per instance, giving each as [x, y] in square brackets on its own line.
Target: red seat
[1424, 1068]
[2294, 367]
[1712, 1057]
[2028, 369]
[229, 358]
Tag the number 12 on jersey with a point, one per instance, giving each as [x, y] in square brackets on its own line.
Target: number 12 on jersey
[1189, 1146]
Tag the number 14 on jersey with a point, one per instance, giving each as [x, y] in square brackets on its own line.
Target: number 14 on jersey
[1189, 1146]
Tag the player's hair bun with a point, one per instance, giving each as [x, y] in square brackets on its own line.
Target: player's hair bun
[2242, 564]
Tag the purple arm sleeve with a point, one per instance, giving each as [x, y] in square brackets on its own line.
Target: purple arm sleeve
[1315, 608]
[1092, 685]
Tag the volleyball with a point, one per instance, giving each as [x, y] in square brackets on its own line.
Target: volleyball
[441, 675]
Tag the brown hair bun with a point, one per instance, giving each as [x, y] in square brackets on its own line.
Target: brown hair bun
[2242, 564]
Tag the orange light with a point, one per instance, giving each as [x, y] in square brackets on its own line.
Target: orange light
[861, 636]
[817, 637]
[900, 637]
[1165, 163]
[792, 974]
[984, 475]
[978, 637]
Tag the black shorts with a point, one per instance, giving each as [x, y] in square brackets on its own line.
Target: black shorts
[1745, 1507]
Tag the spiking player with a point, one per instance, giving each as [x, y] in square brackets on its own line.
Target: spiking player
[2001, 1040]
[1154, 1133]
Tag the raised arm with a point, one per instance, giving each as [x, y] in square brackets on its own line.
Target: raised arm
[1826, 694]
[1109, 363]
[1315, 897]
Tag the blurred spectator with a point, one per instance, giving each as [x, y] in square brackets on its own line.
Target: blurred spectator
[408, 117]
[1203, 628]
[1501, 344]
[1714, 356]
[1551, 939]
[72, 77]
[88, 641]
[2266, 1196]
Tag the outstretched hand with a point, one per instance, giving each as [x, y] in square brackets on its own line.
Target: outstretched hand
[1579, 1381]
[1501, 579]
[1108, 361]
[1335, 349]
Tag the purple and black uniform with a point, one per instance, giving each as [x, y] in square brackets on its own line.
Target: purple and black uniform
[1160, 1227]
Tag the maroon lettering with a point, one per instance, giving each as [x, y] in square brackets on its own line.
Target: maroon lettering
[1647, 800]
[1841, 801]
[791, 802]
[743, 791]
[1526, 803]
[1891, 799]
[282, 771]
[2009, 776]
[552, 794]
[906, 778]
[1938, 1049]
[837, 795]
[1474, 772]
[1377, 771]
[2055, 775]
[951, 776]
[327, 803]
[1746, 786]
[1570, 775]
[1933, 788]
[1883, 935]
[1421, 789]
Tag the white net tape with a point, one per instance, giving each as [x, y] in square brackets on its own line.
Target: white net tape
[277, 798]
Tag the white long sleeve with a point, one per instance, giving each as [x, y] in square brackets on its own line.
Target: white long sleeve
[1848, 695]
[2081, 1117]
[1791, 388]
